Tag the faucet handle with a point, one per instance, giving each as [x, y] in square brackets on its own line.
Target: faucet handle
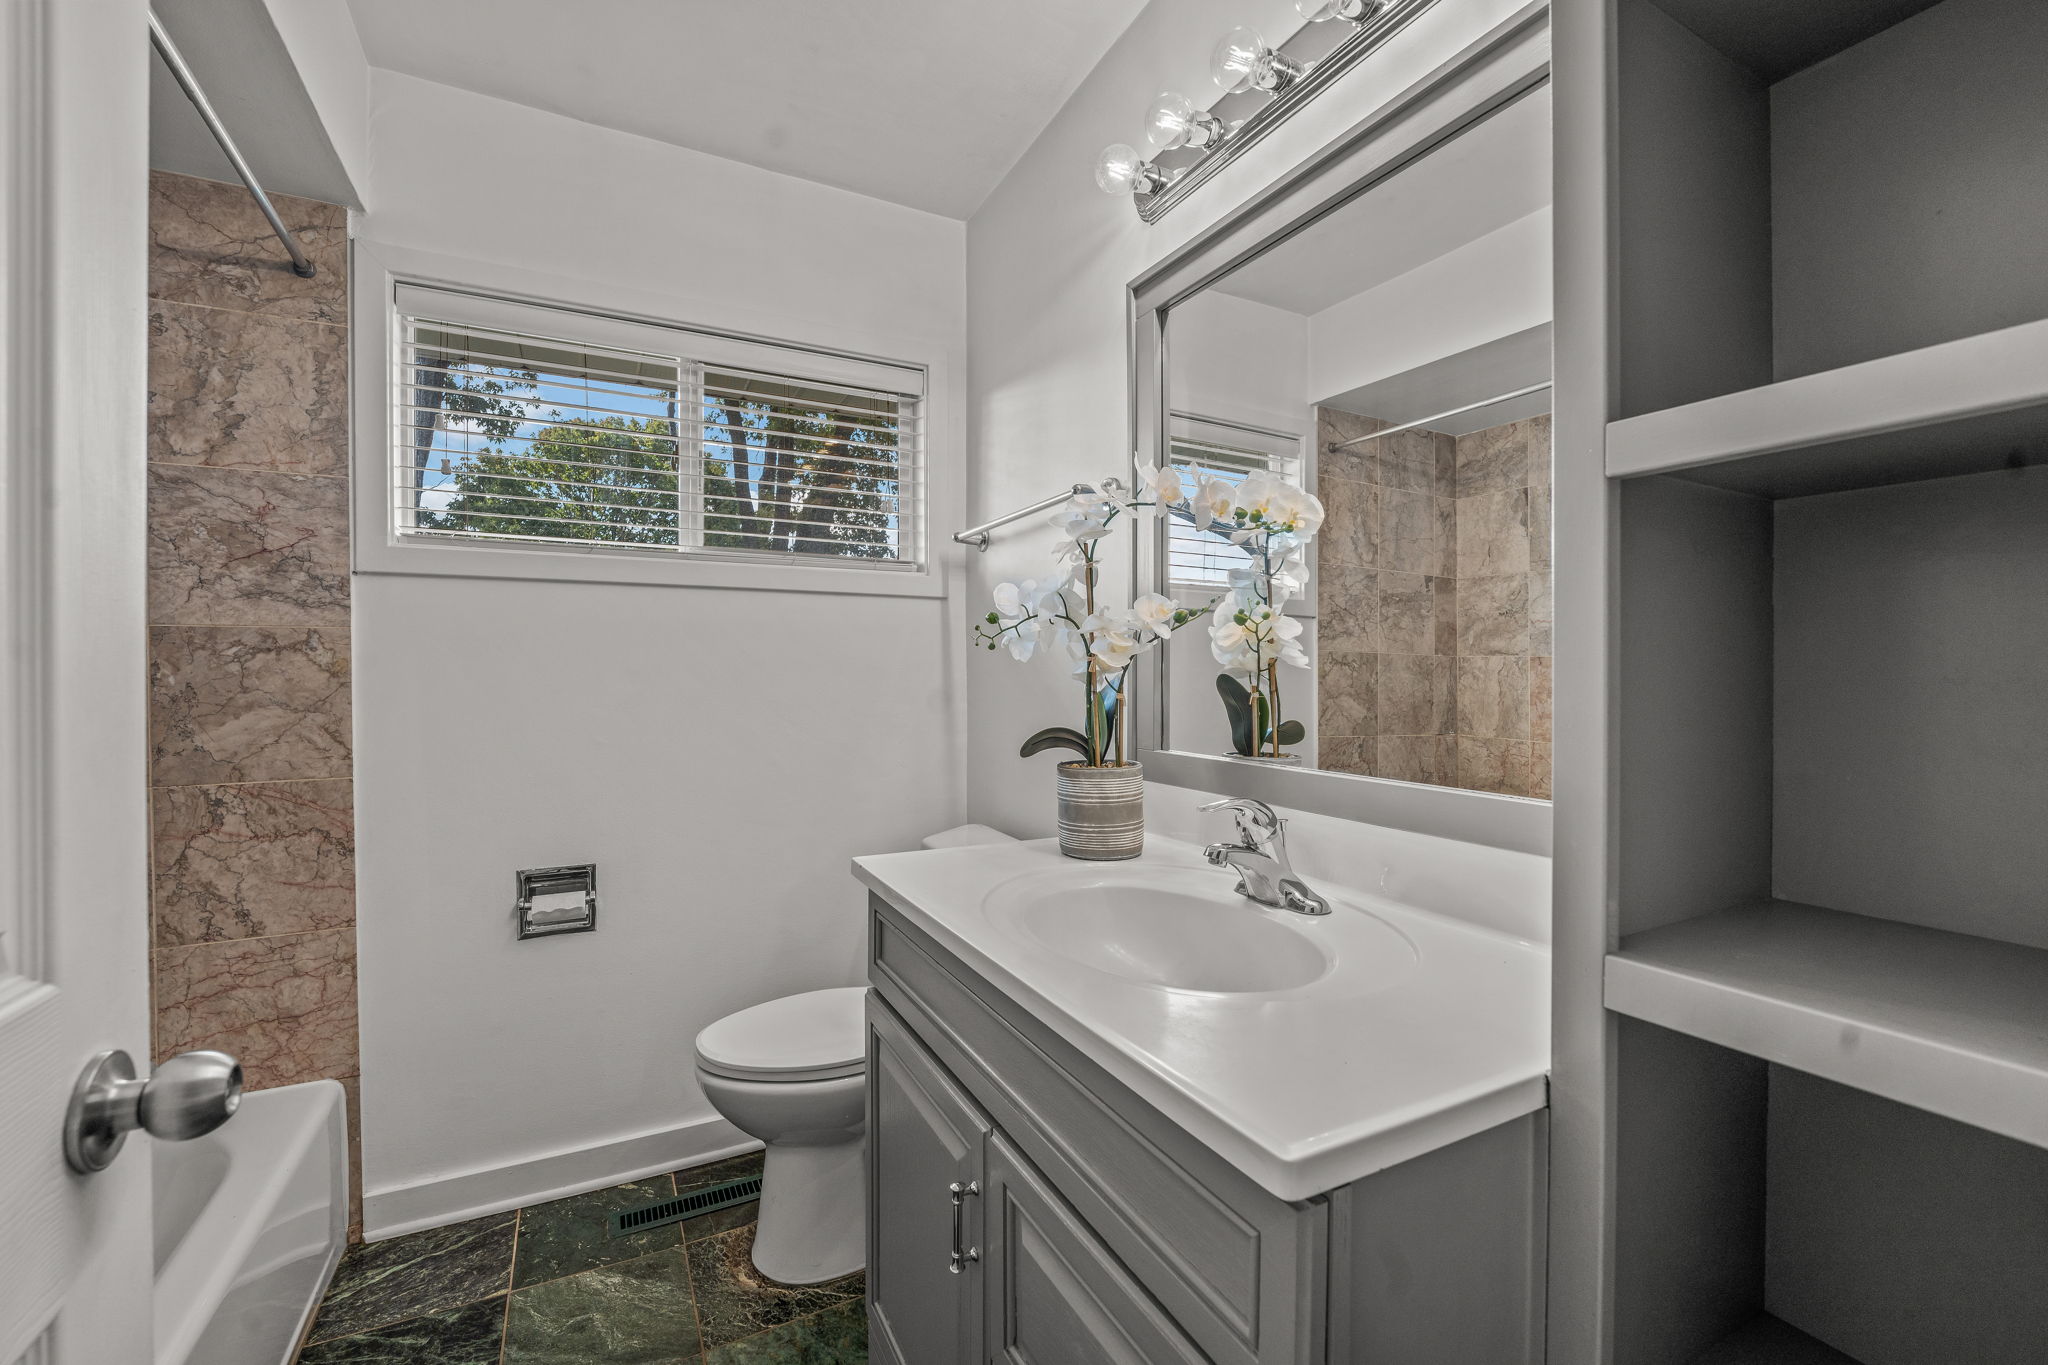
[1256, 822]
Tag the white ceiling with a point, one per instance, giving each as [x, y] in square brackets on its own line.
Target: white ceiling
[1493, 175]
[926, 103]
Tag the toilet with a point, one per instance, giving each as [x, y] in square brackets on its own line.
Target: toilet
[793, 1073]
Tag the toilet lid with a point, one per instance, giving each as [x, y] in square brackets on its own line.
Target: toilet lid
[810, 1037]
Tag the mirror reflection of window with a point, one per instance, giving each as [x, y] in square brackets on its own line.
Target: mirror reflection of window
[1199, 561]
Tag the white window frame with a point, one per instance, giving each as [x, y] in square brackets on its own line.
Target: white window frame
[1286, 455]
[389, 283]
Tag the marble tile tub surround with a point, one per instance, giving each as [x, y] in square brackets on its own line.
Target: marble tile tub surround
[1435, 587]
[252, 809]
[548, 1285]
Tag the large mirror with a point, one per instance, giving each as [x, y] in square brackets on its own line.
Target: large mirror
[1390, 355]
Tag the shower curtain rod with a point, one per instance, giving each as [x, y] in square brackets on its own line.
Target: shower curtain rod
[1335, 446]
[302, 266]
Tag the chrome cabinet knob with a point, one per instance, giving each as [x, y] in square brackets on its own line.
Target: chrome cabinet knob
[191, 1094]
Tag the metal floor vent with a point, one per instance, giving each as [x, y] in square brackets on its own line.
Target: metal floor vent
[662, 1212]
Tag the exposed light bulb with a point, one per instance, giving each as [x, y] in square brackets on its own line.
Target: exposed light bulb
[1174, 121]
[1242, 61]
[1352, 11]
[1120, 170]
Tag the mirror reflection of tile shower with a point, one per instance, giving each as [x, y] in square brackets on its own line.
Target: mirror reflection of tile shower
[1445, 677]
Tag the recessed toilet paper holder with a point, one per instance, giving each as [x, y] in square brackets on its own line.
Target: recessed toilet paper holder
[557, 900]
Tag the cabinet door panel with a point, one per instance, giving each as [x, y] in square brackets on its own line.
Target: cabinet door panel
[924, 1137]
[1055, 1294]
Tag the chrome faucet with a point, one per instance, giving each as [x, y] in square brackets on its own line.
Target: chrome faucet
[1260, 859]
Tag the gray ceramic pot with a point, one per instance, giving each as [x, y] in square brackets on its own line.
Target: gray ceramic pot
[1102, 811]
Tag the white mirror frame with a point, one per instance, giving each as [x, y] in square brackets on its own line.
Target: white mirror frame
[1495, 71]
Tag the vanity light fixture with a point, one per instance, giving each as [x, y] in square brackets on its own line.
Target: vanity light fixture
[1357, 12]
[1185, 144]
[1120, 170]
[1174, 121]
[1242, 62]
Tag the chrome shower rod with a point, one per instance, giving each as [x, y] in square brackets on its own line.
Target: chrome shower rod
[302, 265]
[1335, 446]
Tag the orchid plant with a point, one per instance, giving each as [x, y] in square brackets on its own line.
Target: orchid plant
[1269, 518]
[1250, 634]
[1101, 641]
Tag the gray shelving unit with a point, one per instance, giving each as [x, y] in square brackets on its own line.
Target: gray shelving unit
[1800, 1103]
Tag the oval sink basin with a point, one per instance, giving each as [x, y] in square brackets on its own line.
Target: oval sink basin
[1183, 930]
[1163, 939]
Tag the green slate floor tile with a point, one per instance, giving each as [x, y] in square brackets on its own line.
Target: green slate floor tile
[465, 1336]
[837, 1336]
[424, 1272]
[717, 1173]
[734, 1300]
[630, 1313]
[574, 1234]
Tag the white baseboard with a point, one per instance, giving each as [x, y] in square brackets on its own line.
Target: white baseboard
[472, 1194]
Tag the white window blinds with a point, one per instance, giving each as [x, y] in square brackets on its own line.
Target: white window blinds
[549, 433]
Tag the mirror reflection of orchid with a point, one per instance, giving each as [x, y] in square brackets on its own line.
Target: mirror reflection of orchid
[1250, 634]
[1099, 640]
[1267, 517]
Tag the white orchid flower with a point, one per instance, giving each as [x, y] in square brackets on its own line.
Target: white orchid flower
[1255, 492]
[1015, 599]
[1116, 635]
[1048, 596]
[1169, 486]
[1212, 502]
[1308, 517]
[1156, 613]
[1022, 638]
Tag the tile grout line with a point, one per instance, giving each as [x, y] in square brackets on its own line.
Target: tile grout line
[511, 1277]
[253, 782]
[245, 469]
[251, 938]
[341, 326]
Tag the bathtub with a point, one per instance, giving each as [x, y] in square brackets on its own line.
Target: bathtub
[249, 1222]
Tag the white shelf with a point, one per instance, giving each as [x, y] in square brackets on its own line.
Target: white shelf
[1856, 425]
[1945, 1022]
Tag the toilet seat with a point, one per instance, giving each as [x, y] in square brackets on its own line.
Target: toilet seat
[816, 1036]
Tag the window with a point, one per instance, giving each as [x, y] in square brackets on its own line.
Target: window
[1199, 562]
[574, 432]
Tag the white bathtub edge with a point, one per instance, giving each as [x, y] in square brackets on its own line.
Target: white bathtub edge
[190, 1288]
[397, 1210]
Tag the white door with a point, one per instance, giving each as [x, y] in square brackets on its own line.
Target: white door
[74, 1250]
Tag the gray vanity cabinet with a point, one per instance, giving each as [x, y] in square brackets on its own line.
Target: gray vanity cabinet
[926, 1150]
[1090, 1228]
[1052, 1291]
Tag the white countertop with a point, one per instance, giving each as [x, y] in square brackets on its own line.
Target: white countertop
[1304, 1089]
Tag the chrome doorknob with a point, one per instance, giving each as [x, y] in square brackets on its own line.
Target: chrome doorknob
[191, 1094]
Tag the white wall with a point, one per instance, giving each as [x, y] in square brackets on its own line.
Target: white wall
[1238, 360]
[1048, 261]
[719, 754]
[1485, 290]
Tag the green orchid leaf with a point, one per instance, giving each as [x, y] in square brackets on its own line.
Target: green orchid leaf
[1237, 705]
[1292, 732]
[1055, 737]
